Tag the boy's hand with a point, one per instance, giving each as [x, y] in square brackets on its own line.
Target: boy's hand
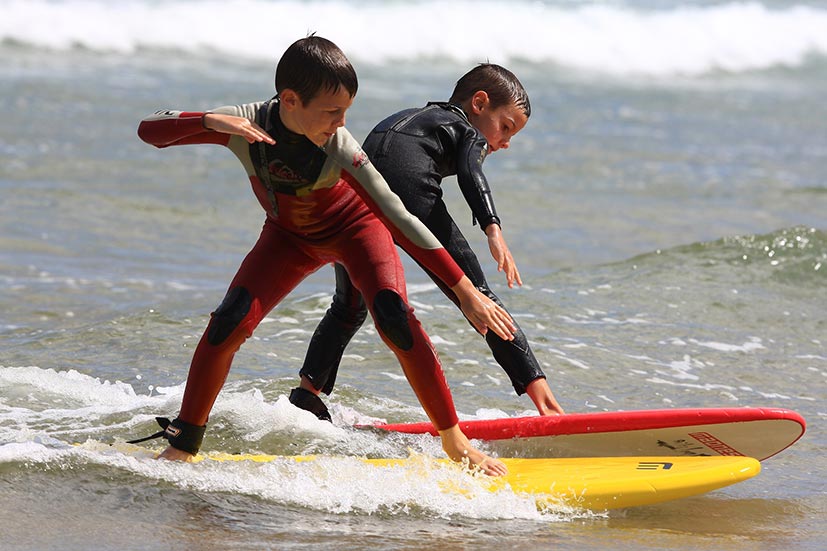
[482, 312]
[458, 448]
[540, 393]
[238, 126]
[502, 255]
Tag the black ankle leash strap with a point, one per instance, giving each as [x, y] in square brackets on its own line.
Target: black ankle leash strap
[181, 435]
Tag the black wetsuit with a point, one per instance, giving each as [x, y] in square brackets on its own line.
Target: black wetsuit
[414, 150]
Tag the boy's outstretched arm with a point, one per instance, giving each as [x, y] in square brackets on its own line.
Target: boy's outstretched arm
[169, 127]
[238, 126]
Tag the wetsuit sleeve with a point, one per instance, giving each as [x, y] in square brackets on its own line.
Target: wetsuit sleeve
[406, 228]
[170, 127]
[166, 128]
[471, 152]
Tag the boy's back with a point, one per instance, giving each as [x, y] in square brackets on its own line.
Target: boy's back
[415, 149]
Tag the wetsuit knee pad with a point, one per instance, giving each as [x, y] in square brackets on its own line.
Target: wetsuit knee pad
[229, 314]
[392, 316]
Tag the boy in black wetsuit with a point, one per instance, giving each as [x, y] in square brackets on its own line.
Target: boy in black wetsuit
[414, 150]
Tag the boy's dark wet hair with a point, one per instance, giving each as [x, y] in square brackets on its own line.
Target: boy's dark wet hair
[312, 65]
[499, 83]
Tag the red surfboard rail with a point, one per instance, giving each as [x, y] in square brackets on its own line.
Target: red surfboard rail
[610, 422]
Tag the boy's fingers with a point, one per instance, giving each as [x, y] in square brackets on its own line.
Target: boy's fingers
[263, 134]
[502, 324]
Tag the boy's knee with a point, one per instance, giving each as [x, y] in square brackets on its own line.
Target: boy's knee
[391, 314]
[229, 315]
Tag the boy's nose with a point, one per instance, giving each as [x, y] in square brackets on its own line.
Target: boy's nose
[492, 148]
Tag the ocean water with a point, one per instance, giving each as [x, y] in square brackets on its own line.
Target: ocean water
[666, 205]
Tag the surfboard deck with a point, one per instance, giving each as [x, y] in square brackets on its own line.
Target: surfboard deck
[590, 483]
[600, 483]
[750, 432]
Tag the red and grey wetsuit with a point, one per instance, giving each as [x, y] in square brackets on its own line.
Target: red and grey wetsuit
[324, 205]
[414, 150]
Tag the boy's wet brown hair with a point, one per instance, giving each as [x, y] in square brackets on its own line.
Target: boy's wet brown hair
[501, 85]
[312, 65]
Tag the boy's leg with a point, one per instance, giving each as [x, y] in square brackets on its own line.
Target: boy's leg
[270, 271]
[340, 323]
[371, 259]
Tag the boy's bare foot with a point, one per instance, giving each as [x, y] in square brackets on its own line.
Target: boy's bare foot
[174, 454]
[458, 448]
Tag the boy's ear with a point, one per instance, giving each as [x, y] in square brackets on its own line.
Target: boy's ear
[289, 99]
[479, 101]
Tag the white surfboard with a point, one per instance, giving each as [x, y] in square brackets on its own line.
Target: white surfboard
[751, 432]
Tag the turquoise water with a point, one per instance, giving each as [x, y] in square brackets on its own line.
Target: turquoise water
[669, 225]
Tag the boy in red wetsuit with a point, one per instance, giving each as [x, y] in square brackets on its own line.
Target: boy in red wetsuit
[325, 203]
[414, 150]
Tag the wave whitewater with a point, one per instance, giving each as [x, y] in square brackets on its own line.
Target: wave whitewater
[612, 38]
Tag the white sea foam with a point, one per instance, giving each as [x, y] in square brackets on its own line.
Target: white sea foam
[753, 344]
[71, 387]
[608, 38]
[332, 484]
[62, 407]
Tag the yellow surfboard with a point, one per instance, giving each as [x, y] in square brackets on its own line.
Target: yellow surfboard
[599, 483]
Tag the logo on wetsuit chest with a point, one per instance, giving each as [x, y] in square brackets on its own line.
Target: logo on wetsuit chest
[289, 166]
[282, 173]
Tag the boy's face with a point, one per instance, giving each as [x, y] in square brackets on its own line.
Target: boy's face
[498, 125]
[319, 119]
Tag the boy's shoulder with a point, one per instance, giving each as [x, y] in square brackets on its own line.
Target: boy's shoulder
[246, 110]
[342, 143]
[416, 119]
